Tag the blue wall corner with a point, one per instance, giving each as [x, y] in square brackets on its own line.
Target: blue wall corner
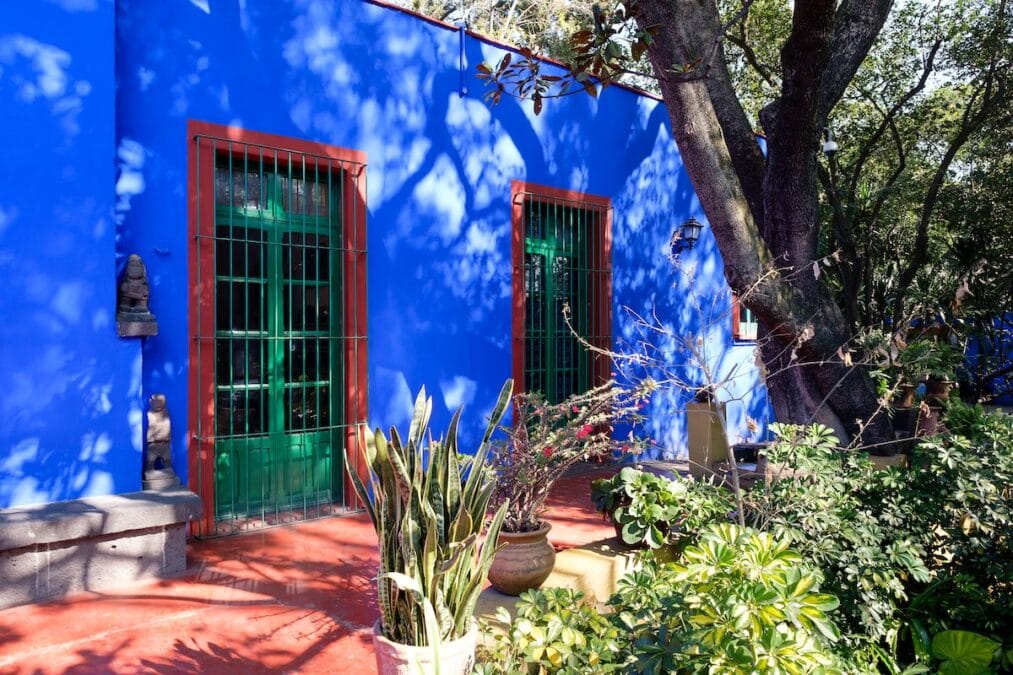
[114, 89]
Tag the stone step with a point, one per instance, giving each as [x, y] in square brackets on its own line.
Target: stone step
[594, 569]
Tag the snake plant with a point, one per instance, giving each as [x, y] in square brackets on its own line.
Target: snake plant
[428, 505]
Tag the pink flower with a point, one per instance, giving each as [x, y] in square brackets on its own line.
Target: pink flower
[575, 410]
[547, 451]
[585, 431]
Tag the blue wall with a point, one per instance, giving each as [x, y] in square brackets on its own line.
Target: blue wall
[370, 78]
[69, 392]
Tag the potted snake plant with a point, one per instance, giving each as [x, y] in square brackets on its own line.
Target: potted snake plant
[427, 503]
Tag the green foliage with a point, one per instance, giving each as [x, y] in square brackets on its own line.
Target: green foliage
[745, 602]
[823, 505]
[556, 631]
[957, 499]
[546, 439]
[428, 517]
[654, 511]
[739, 601]
[910, 552]
[963, 653]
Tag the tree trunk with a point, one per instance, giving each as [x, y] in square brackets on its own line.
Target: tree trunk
[804, 330]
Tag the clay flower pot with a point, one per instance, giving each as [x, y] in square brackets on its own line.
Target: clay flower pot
[906, 395]
[454, 657]
[938, 389]
[525, 562]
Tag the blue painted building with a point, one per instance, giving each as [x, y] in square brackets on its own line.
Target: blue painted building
[331, 216]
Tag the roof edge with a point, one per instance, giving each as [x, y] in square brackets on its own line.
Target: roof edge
[387, 4]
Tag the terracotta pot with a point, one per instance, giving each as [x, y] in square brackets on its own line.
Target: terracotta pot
[906, 395]
[938, 389]
[455, 657]
[525, 563]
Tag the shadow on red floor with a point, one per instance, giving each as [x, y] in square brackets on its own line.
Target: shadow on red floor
[296, 599]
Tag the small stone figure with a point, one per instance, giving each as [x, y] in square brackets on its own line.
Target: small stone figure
[133, 318]
[158, 473]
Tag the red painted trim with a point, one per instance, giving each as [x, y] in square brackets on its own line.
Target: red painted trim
[517, 282]
[201, 217]
[603, 363]
[735, 315]
[601, 282]
[355, 326]
[275, 142]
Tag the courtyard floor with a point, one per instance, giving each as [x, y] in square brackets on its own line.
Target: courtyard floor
[296, 599]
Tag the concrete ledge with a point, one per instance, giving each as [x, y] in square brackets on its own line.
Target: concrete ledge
[52, 550]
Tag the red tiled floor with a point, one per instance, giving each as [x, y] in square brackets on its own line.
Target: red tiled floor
[291, 599]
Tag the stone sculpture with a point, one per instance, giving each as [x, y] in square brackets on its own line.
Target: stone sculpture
[158, 473]
[133, 318]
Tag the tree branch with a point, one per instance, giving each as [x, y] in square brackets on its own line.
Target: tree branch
[992, 92]
[856, 25]
[888, 119]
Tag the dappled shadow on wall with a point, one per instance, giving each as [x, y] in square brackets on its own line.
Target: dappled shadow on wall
[67, 425]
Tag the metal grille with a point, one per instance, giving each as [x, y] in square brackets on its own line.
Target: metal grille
[280, 257]
[566, 266]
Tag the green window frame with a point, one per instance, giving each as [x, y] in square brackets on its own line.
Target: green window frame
[562, 291]
[278, 313]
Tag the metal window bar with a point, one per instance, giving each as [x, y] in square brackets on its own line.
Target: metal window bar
[286, 336]
[565, 265]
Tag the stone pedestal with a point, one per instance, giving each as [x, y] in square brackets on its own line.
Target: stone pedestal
[160, 480]
[705, 424]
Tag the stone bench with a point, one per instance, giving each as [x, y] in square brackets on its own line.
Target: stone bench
[52, 550]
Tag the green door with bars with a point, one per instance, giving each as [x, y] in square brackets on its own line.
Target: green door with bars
[278, 366]
[557, 276]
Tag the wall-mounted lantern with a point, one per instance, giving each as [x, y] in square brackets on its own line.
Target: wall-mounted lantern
[685, 237]
[830, 146]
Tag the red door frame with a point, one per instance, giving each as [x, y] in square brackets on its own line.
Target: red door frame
[601, 285]
[201, 219]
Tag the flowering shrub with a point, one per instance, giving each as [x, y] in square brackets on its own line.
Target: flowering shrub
[546, 439]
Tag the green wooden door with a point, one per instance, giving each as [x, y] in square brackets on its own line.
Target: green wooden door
[556, 276]
[277, 355]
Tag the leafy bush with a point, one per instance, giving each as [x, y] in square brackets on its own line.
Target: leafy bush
[655, 511]
[556, 630]
[739, 601]
[823, 505]
[957, 498]
[910, 552]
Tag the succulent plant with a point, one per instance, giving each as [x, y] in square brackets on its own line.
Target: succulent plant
[428, 505]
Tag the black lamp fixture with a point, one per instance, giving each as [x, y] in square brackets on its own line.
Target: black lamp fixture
[685, 237]
[830, 146]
